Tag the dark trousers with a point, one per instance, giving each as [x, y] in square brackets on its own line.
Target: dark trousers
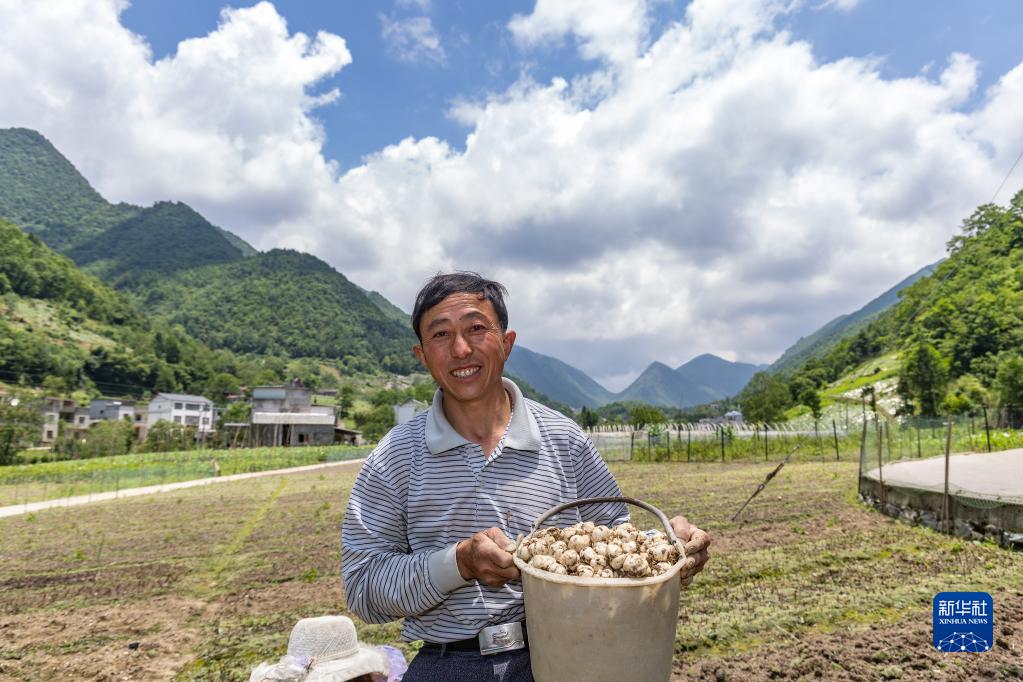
[430, 665]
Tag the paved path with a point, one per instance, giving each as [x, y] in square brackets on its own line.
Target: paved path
[27, 507]
[987, 475]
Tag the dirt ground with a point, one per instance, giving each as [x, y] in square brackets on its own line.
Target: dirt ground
[205, 583]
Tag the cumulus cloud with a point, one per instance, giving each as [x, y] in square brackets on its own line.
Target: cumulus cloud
[412, 39]
[708, 186]
[224, 124]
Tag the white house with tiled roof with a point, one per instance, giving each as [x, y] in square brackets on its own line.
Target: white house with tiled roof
[180, 408]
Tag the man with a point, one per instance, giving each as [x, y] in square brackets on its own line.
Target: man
[428, 529]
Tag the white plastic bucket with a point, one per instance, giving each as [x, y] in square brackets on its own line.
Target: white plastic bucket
[598, 629]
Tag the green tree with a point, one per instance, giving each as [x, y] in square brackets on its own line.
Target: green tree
[221, 386]
[374, 423]
[966, 394]
[588, 418]
[1009, 381]
[345, 400]
[642, 415]
[765, 398]
[236, 412]
[923, 378]
[106, 438]
[165, 436]
[20, 425]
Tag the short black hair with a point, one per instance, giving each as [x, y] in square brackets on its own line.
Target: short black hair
[440, 286]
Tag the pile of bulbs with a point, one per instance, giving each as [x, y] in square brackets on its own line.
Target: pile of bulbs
[592, 551]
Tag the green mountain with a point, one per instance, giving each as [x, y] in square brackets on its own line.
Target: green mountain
[195, 274]
[556, 379]
[282, 303]
[661, 385]
[818, 344]
[717, 375]
[43, 193]
[64, 329]
[155, 242]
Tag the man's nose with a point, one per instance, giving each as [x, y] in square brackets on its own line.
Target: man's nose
[460, 347]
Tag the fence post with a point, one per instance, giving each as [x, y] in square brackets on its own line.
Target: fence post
[722, 430]
[689, 443]
[667, 435]
[834, 431]
[863, 459]
[987, 429]
[765, 441]
[918, 453]
[880, 459]
[632, 443]
[948, 451]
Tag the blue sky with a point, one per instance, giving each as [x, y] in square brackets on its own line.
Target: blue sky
[385, 99]
[651, 179]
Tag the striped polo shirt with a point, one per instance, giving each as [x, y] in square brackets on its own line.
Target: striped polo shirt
[424, 488]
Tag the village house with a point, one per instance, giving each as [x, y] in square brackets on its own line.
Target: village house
[179, 408]
[407, 410]
[285, 415]
[56, 411]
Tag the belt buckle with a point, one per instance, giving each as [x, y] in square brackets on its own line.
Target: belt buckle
[504, 637]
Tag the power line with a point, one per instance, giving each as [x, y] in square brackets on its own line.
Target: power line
[1006, 178]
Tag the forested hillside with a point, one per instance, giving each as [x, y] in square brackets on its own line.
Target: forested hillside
[958, 332]
[156, 241]
[283, 303]
[64, 329]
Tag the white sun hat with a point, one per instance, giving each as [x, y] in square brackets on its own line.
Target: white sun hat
[324, 649]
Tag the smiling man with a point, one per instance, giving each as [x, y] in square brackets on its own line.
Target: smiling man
[426, 536]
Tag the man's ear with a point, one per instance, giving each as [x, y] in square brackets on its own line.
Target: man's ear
[417, 350]
[509, 342]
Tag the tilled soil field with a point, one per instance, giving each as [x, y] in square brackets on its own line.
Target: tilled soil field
[205, 583]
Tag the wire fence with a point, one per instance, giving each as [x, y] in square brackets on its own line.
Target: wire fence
[926, 470]
[726, 442]
[20, 484]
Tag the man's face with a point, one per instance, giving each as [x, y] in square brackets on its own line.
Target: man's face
[463, 347]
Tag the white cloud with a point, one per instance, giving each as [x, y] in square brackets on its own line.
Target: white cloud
[710, 188]
[840, 5]
[223, 124]
[412, 39]
[421, 5]
[611, 29]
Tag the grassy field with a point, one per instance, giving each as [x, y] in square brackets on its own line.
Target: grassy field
[204, 583]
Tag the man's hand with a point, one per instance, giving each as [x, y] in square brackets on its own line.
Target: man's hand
[487, 557]
[696, 543]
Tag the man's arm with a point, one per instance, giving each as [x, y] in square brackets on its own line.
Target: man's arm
[383, 579]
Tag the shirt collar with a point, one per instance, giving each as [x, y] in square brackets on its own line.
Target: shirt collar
[523, 432]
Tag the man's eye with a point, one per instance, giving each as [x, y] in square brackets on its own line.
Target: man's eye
[478, 327]
[439, 334]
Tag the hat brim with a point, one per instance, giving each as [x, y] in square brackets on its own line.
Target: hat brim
[366, 660]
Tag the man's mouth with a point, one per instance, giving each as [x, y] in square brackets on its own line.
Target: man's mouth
[463, 373]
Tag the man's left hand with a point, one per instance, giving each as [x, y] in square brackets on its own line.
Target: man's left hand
[696, 543]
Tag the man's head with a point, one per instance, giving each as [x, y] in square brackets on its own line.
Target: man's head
[441, 286]
[464, 341]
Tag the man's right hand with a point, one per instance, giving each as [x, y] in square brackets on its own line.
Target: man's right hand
[487, 557]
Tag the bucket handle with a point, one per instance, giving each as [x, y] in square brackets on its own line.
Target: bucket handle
[627, 500]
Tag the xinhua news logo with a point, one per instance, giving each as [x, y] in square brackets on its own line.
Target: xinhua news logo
[964, 622]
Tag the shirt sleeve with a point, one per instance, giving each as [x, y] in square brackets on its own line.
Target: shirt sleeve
[383, 579]
[594, 479]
